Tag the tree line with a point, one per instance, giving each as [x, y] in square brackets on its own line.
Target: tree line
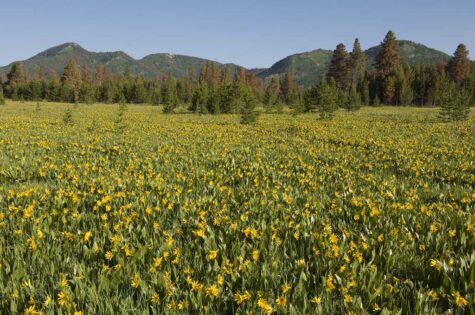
[347, 84]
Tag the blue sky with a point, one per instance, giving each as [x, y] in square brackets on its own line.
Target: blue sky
[250, 33]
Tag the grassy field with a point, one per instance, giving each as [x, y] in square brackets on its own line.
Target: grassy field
[370, 213]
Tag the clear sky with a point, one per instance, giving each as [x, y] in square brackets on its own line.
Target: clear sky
[251, 33]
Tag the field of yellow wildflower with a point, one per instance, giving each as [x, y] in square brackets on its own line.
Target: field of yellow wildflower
[137, 212]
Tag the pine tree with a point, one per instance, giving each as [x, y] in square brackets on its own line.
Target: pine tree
[101, 74]
[139, 93]
[288, 88]
[68, 115]
[388, 59]
[87, 93]
[168, 94]
[40, 74]
[213, 102]
[389, 90]
[404, 94]
[353, 100]
[458, 67]
[71, 80]
[16, 75]
[226, 97]
[238, 90]
[454, 103]
[376, 101]
[16, 80]
[357, 63]
[327, 93]
[34, 90]
[437, 78]
[420, 85]
[471, 81]
[364, 92]
[248, 113]
[2, 97]
[310, 98]
[271, 95]
[53, 88]
[199, 99]
[127, 76]
[339, 67]
[299, 107]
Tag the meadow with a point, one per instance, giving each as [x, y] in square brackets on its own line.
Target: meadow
[137, 212]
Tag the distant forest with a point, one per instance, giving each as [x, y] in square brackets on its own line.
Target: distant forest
[347, 84]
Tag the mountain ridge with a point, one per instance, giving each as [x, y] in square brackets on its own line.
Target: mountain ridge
[308, 66]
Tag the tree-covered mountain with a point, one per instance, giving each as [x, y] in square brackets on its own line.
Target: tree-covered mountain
[411, 54]
[151, 66]
[307, 67]
[176, 65]
[56, 58]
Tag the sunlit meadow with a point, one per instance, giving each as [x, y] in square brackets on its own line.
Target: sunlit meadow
[136, 212]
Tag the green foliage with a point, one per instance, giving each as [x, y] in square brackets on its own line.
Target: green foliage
[271, 94]
[328, 98]
[68, 115]
[72, 80]
[310, 66]
[363, 88]
[339, 68]
[454, 103]
[299, 106]
[87, 94]
[376, 101]
[120, 119]
[458, 67]
[404, 94]
[213, 102]
[2, 97]
[288, 89]
[357, 64]
[353, 100]
[16, 74]
[248, 112]
[200, 99]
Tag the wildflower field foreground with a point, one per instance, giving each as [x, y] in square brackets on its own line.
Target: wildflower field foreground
[108, 211]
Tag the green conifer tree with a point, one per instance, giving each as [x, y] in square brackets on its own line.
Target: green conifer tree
[248, 112]
[339, 68]
[458, 67]
[271, 95]
[404, 94]
[2, 97]
[357, 63]
[71, 80]
[454, 103]
[388, 61]
[353, 100]
[288, 89]
[328, 98]
[16, 79]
